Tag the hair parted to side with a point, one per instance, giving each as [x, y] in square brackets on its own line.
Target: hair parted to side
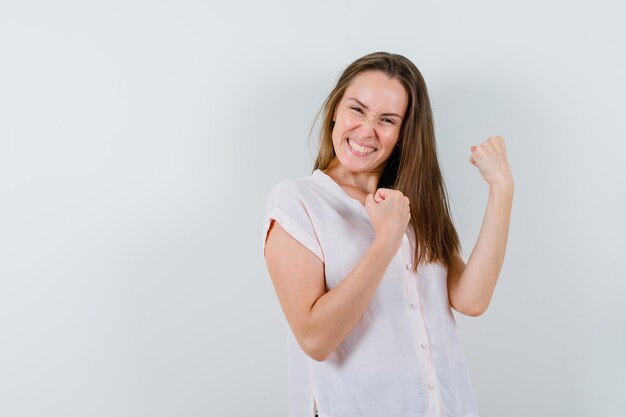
[412, 167]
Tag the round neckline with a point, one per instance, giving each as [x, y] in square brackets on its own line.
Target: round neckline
[324, 176]
[345, 195]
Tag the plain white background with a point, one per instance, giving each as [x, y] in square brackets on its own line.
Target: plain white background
[139, 140]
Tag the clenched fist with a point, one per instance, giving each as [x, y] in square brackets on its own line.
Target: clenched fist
[389, 213]
[491, 160]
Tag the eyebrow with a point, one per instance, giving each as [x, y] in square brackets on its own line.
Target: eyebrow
[384, 114]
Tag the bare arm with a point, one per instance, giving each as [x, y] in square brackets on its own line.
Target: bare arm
[320, 319]
[471, 286]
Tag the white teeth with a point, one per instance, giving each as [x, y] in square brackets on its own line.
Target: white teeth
[360, 149]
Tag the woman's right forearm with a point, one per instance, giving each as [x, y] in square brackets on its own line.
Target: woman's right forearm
[335, 313]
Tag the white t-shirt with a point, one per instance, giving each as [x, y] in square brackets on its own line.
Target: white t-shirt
[403, 358]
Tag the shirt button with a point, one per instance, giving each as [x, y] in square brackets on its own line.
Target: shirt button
[413, 306]
[431, 386]
[409, 266]
[424, 345]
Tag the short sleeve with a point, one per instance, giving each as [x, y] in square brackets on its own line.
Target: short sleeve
[285, 205]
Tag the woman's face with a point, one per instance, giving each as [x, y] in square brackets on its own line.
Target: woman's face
[368, 118]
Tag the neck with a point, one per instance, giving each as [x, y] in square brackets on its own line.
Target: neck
[367, 182]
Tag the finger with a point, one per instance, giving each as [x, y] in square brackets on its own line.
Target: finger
[381, 194]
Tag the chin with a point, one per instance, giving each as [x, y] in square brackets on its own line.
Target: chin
[350, 166]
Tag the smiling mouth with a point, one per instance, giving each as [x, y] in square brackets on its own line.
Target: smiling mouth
[363, 150]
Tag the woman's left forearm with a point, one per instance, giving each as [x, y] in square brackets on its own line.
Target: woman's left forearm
[478, 280]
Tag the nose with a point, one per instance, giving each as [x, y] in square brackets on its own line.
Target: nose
[367, 127]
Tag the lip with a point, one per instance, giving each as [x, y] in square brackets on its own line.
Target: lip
[361, 143]
[357, 154]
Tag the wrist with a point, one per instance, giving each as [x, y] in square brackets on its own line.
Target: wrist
[502, 186]
[385, 245]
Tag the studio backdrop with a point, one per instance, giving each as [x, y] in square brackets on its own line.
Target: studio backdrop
[139, 141]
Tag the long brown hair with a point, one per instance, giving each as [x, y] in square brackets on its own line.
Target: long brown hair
[412, 167]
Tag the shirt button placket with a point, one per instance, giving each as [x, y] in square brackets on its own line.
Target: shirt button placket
[421, 331]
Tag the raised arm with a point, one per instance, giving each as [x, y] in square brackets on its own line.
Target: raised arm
[471, 286]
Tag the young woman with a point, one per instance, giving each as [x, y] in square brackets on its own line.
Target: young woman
[365, 259]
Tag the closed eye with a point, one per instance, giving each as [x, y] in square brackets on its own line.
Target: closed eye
[355, 108]
[387, 120]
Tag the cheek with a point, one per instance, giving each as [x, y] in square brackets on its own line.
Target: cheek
[348, 120]
[390, 138]
[337, 134]
[342, 125]
[390, 142]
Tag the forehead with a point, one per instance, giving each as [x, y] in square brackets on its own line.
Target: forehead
[377, 91]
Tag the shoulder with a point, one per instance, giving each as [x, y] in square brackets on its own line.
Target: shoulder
[289, 203]
[292, 188]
